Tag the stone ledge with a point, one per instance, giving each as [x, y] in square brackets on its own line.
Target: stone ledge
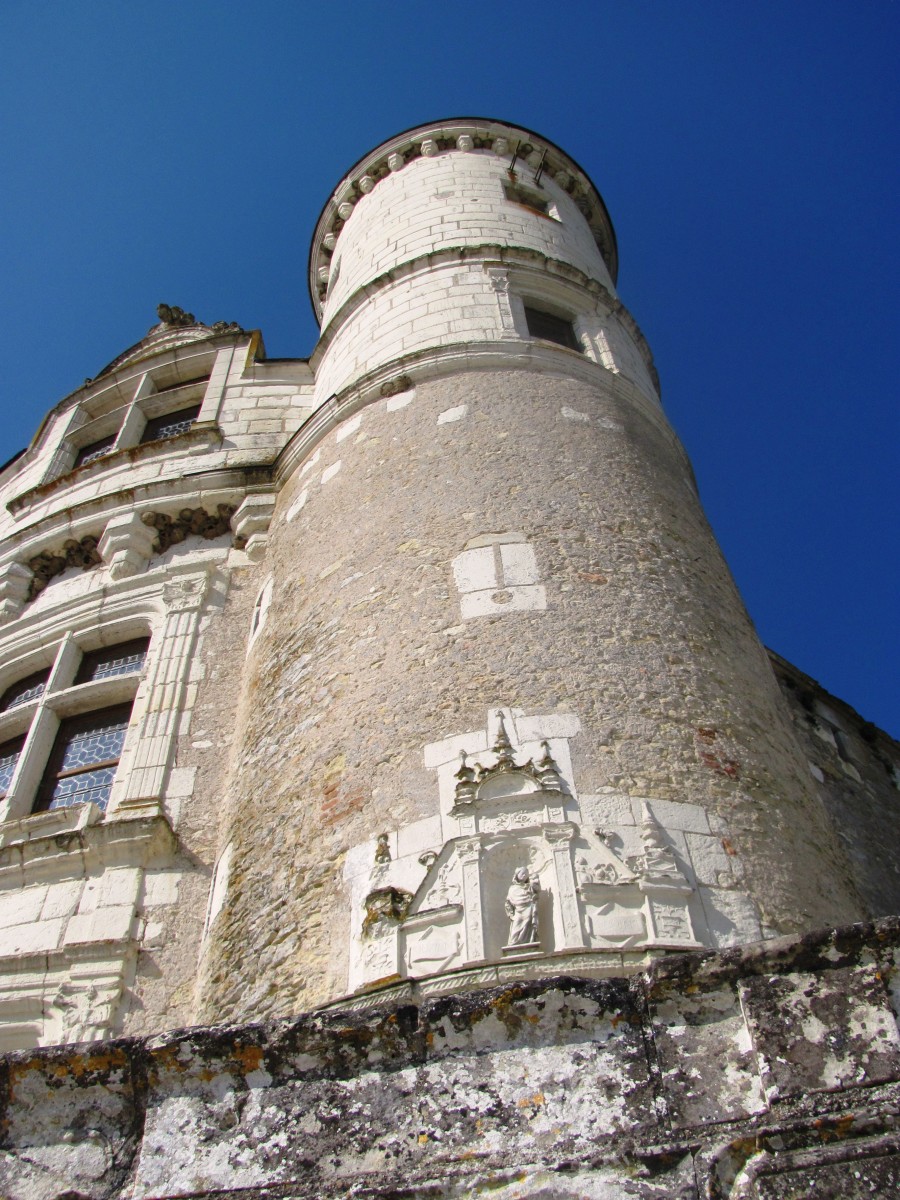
[651, 1086]
[661, 1085]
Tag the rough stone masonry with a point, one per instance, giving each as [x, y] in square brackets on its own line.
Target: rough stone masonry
[395, 797]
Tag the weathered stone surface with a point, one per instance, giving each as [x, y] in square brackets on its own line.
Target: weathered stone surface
[647, 1087]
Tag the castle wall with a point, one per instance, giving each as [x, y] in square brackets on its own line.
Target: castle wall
[856, 768]
[434, 608]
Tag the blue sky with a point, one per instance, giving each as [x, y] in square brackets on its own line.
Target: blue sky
[748, 155]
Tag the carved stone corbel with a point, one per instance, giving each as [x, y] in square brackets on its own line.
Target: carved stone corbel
[250, 524]
[126, 545]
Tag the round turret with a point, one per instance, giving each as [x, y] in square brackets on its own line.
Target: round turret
[506, 715]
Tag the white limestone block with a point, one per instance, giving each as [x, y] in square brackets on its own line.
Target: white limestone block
[161, 887]
[118, 886]
[689, 817]
[730, 916]
[400, 400]
[62, 899]
[107, 924]
[452, 414]
[519, 564]
[348, 427]
[474, 570]
[330, 472]
[20, 907]
[518, 599]
[298, 505]
[34, 938]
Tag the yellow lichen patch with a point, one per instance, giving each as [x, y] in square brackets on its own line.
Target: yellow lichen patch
[249, 1057]
[422, 1139]
[534, 1101]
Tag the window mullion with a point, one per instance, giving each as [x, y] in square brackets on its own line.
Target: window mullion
[30, 767]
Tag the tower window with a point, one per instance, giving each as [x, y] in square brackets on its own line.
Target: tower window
[160, 429]
[24, 690]
[551, 328]
[527, 198]
[94, 450]
[9, 756]
[122, 659]
[83, 761]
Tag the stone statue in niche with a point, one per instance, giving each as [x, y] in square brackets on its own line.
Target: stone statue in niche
[521, 908]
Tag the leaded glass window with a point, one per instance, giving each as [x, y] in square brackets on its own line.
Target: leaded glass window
[9, 756]
[123, 659]
[82, 764]
[87, 454]
[24, 690]
[159, 429]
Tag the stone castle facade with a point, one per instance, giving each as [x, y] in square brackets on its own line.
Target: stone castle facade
[406, 686]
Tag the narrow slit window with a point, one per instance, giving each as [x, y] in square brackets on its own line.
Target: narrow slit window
[160, 429]
[551, 328]
[84, 758]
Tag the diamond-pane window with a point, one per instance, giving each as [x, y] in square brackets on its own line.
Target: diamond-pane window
[123, 659]
[87, 454]
[24, 690]
[82, 764]
[160, 429]
[9, 756]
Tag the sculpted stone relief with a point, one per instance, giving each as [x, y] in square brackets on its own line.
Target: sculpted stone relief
[516, 866]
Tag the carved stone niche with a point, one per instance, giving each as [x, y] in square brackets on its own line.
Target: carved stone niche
[517, 877]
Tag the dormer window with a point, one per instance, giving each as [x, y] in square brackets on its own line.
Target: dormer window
[162, 407]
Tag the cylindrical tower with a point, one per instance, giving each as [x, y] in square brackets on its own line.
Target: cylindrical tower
[505, 714]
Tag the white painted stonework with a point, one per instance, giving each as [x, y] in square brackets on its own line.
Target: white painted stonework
[498, 573]
[609, 874]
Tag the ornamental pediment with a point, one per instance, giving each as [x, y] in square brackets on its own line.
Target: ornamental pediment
[485, 786]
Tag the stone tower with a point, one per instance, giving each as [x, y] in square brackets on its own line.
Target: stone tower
[391, 718]
[490, 532]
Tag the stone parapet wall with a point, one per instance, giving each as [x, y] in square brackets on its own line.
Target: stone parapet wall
[769, 1071]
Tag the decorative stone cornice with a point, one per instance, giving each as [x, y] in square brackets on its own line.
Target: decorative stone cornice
[463, 135]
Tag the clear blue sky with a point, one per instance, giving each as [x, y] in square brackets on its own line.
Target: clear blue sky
[748, 154]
